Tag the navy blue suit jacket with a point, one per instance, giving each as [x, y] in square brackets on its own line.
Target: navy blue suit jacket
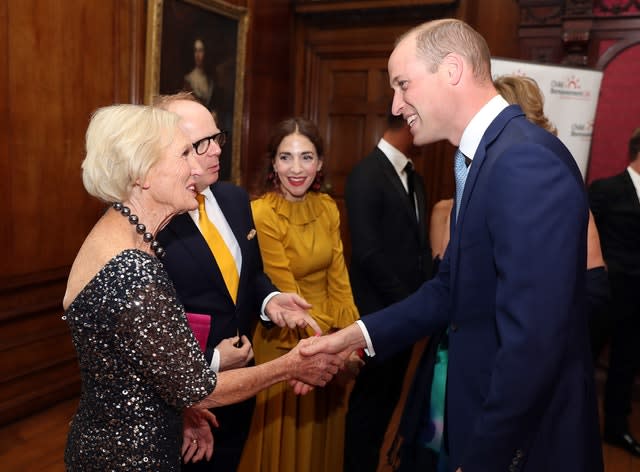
[196, 275]
[511, 289]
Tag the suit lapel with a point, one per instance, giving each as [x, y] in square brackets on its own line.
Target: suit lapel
[187, 234]
[630, 194]
[422, 208]
[490, 135]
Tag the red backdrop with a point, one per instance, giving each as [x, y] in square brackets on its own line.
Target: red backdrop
[618, 113]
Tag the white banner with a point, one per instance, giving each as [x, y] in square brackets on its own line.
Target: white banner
[570, 100]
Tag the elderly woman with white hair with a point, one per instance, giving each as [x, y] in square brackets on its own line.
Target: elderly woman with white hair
[142, 370]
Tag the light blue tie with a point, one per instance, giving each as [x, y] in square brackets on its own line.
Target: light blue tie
[460, 170]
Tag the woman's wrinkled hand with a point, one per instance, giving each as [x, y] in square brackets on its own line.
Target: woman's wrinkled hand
[197, 439]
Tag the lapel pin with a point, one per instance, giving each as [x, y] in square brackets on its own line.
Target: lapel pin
[251, 234]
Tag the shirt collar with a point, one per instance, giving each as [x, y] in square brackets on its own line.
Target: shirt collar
[478, 125]
[208, 197]
[635, 179]
[395, 156]
[208, 194]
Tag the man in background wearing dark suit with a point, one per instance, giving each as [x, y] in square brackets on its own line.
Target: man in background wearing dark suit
[616, 208]
[390, 258]
[199, 275]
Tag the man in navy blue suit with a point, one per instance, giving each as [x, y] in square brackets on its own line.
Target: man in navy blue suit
[520, 392]
[199, 278]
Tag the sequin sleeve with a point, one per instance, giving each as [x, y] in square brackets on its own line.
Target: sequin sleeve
[162, 349]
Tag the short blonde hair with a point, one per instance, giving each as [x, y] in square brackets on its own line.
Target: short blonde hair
[122, 143]
[436, 39]
[524, 91]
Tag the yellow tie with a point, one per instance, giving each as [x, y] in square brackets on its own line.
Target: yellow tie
[219, 248]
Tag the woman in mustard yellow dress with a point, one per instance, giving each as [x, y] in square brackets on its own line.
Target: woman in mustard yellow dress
[299, 235]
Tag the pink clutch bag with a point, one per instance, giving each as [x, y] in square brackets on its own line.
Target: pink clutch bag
[200, 325]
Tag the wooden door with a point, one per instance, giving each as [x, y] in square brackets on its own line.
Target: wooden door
[352, 114]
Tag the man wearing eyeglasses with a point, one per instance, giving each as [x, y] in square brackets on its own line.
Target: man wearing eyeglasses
[213, 258]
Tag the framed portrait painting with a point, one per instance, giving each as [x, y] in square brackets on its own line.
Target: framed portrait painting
[199, 46]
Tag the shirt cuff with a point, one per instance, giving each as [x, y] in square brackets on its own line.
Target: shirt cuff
[215, 361]
[263, 314]
[369, 349]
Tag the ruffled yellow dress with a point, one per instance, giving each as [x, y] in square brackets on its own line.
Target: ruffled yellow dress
[302, 252]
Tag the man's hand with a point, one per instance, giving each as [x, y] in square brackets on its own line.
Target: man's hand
[343, 342]
[197, 440]
[315, 370]
[350, 371]
[351, 365]
[290, 310]
[232, 357]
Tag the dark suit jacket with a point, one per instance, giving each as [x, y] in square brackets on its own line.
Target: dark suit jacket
[390, 254]
[511, 288]
[196, 275]
[616, 209]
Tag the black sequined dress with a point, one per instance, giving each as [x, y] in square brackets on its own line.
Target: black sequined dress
[140, 366]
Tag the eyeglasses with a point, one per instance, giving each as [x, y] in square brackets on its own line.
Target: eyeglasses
[202, 145]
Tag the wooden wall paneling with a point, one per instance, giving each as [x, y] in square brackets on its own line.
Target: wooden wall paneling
[497, 21]
[339, 72]
[131, 26]
[540, 30]
[322, 6]
[344, 72]
[67, 53]
[269, 80]
[61, 61]
[352, 115]
[5, 132]
[37, 360]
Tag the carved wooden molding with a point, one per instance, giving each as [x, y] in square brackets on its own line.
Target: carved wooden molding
[575, 39]
[616, 7]
[318, 6]
[616, 49]
[541, 12]
[578, 8]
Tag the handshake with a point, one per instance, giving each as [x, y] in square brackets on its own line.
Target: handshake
[316, 360]
[313, 362]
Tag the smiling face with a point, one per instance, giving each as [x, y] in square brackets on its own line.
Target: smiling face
[171, 180]
[198, 123]
[296, 164]
[420, 95]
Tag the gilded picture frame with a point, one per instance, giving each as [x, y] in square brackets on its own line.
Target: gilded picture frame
[200, 46]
